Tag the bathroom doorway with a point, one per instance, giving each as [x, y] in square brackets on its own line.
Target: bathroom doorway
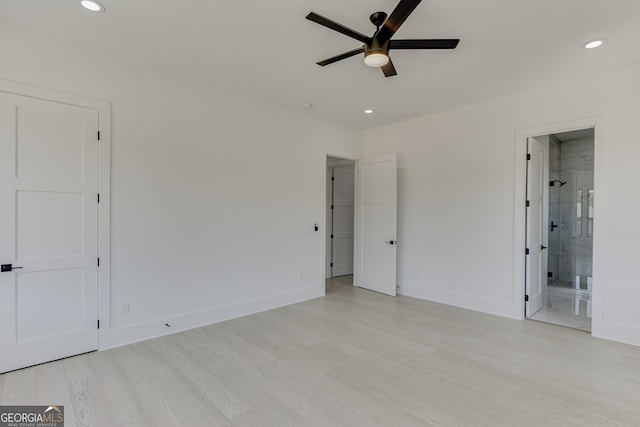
[560, 231]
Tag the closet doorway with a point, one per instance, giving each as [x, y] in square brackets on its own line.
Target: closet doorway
[340, 218]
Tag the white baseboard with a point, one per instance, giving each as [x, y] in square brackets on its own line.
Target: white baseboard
[614, 331]
[484, 305]
[110, 338]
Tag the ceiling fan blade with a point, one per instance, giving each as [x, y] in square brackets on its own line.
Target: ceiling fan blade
[395, 20]
[424, 44]
[341, 56]
[388, 69]
[326, 22]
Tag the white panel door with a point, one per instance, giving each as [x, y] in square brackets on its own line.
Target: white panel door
[375, 228]
[48, 230]
[343, 206]
[535, 230]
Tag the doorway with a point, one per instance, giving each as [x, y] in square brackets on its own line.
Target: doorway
[560, 218]
[340, 204]
[369, 202]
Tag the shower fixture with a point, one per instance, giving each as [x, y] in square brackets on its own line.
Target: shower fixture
[552, 183]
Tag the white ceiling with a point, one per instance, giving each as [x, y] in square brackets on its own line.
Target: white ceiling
[268, 50]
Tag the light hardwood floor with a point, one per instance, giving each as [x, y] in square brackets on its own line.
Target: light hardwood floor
[351, 358]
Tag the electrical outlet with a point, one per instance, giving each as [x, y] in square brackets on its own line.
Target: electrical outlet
[125, 308]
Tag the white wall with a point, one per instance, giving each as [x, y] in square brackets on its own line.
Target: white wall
[457, 197]
[203, 190]
[212, 192]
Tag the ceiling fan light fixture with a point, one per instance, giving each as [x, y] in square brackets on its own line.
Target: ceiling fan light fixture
[92, 5]
[376, 48]
[376, 59]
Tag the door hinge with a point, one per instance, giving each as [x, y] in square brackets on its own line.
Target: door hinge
[526, 298]
[527, 203]
[98, 197]
[98, 135]
[331, 206]
[98, 261]
[549, 274]
[331, 265]
[332, 236]
[528, 156]
[333, 178]
[98, 323]
[526, 251]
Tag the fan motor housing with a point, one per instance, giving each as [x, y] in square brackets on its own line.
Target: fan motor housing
[376, 47]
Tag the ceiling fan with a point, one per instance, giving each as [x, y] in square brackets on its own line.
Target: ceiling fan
[376, 48]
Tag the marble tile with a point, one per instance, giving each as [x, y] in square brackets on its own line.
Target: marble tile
[565, 306]
[554, 156]
[577, 155]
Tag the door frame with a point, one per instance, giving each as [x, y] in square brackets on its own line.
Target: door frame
[520, 161]
[103, 109]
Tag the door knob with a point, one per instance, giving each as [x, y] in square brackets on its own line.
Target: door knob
[4, 268]
[543, 247]
[391, 242]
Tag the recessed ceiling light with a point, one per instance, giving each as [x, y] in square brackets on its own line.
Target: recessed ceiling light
[593, 44]
[368, 111]
[92, 5]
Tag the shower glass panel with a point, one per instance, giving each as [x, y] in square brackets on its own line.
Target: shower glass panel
[590, 214]
[579, 213]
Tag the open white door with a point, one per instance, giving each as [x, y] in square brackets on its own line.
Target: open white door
[535, 230]
[375, 224]
[48, 230]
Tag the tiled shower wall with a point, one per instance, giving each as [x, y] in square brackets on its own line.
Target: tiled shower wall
[571, 244]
